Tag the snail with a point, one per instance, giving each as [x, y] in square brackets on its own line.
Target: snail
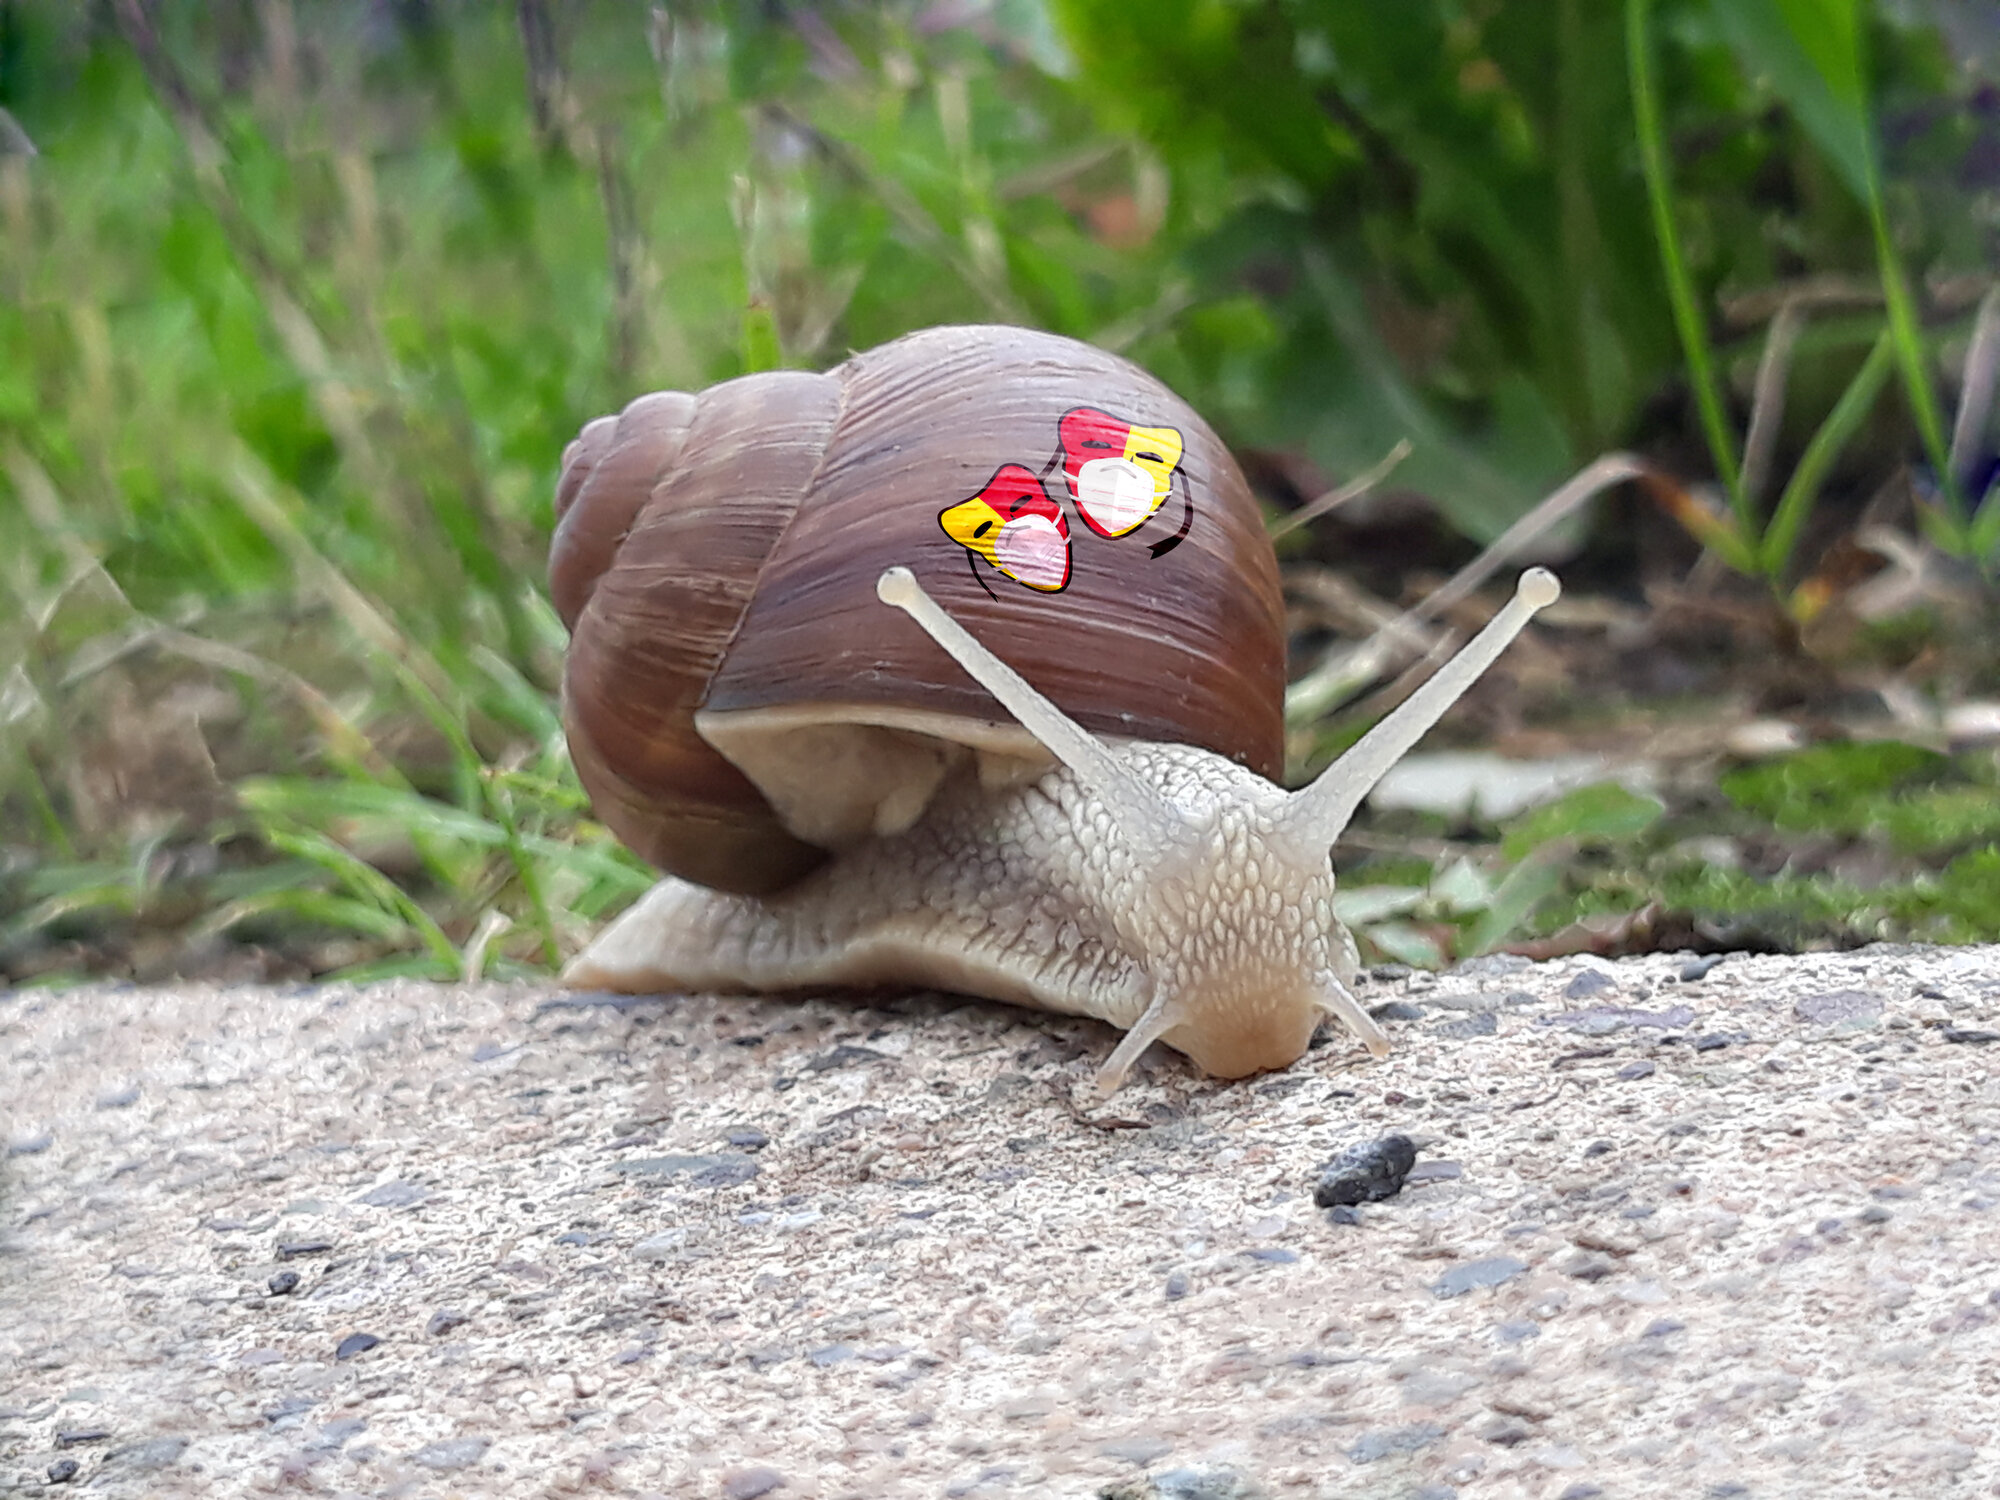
[843, 667]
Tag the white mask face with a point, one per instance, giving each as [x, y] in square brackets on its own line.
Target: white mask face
[1115, 495]
[1032, 550]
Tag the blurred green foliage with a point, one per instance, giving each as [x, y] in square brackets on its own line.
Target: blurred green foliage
[301, 301]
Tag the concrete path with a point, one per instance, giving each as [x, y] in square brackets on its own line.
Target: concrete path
[1671, 1233]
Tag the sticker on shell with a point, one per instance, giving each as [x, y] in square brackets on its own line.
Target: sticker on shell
[1016, 527]
[1120, 473]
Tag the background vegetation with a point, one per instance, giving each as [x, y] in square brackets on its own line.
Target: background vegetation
[301, 301]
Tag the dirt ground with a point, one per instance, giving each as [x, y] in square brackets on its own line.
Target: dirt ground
[1671, 1232]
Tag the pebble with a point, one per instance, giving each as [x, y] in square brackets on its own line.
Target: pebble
[1177, 1285]
[1603, 1020]
[63, 1470]
[1141, 1450]
[1698, 968]
[665, 1245]
[1433, 1171]
[452, 1453]
[1964, 1034]
[1204, 1484]
[70, 1437]
[1386, 1442]
[1583, 1489]
[723, 1169]
[283, 1284]
[123, 1098]
[355, 1343]
[846, 1055]
[1342, 1214]
[1590, 982]
[288, 1249]
[1397, 1010]
[339, 1431]
[1483, 1023]
[1366, 1173]
[31, 1145]
[1852, 1008]
[1493, 1270]
[1272, 1254]
[748, 1138]
[1632, 1071]
[749, 1484]
[830, 1355]
[147, 1457]
[395, 1195]
[443, 1321]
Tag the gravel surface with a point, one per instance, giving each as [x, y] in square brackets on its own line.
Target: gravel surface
[1671, 1230]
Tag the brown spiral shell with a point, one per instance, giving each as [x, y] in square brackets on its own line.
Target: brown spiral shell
[716, 555]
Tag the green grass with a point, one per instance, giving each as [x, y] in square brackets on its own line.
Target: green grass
[292, 332]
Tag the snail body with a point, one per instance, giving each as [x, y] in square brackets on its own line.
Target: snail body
[848, 794]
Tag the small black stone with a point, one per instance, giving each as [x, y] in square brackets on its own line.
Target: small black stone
[1964, 1034]
[1388, 973]
[442, 1322]
[1177, 1286]
[1709, 1043]
[1636, 1070]
[1366, 1173]
[1874, 1214]
[70, 1437]
[748, 1138]
[1697, 968]
[284, 1283]
[355, 1343]
[287, 1249]
[63, 1470]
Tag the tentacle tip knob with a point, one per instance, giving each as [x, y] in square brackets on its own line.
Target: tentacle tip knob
[897, 586]
[1538, 588]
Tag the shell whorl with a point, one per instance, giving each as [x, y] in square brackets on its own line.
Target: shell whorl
[716, 555]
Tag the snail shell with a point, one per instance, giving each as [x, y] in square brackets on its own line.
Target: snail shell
[738, 701]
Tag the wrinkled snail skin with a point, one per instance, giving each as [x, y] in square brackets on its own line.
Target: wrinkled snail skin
[1029, 897]
[873, 747]
[1161, 888]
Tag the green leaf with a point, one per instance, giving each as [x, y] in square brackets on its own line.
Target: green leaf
[1514, 900]
[1605, 813]
[1810, 54]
